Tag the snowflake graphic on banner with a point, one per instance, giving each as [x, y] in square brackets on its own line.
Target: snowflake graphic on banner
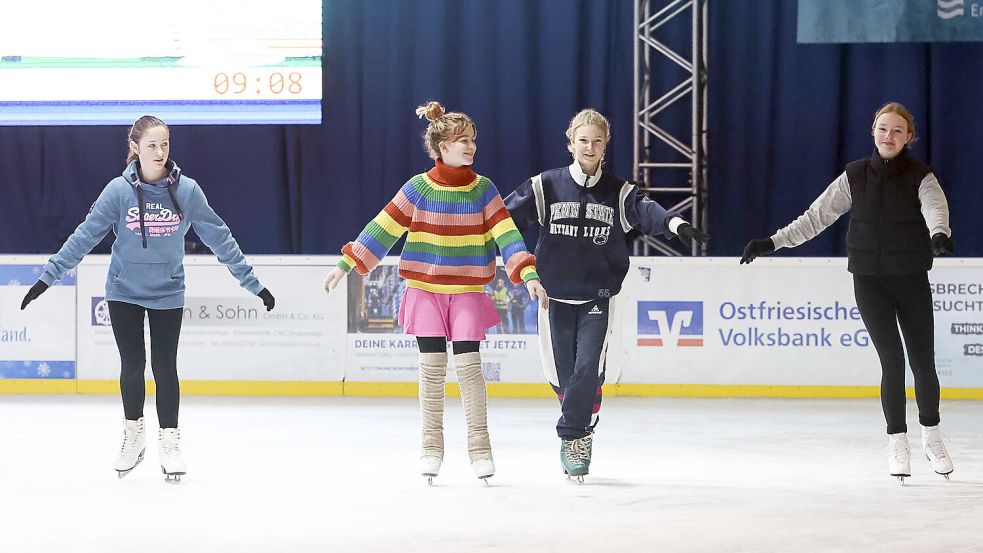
[44, 370]
[13, 282]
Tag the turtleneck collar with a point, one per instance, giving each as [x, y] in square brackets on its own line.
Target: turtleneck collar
[890, 167]
[451, 176]
[582, 178]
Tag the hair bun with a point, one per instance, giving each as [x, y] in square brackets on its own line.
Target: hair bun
[432, 111]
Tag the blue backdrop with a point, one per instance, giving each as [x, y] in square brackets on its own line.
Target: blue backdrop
[784, 119]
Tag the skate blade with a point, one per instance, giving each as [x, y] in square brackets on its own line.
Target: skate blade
[945, 474]
[172, 477]
[121, 473]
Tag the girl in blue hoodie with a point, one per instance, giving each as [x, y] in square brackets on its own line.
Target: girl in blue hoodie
[150, 208]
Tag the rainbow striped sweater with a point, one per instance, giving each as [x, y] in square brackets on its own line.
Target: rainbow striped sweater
[455, 218]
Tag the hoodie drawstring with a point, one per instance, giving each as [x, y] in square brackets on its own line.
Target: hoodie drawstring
[143, 229]
[177, 206]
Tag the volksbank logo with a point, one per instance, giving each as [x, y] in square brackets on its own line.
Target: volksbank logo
[947, 9]
[670, 323]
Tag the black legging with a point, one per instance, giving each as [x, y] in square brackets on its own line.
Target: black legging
[165, 330]
[884, 302]
[438, 344]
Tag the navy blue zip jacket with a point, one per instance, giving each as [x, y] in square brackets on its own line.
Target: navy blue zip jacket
[582, 252]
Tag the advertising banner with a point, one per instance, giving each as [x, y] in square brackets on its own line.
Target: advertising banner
[780, 322]
[226, 332]
[957, 293]
[693, 321]
[38, 342]
[379, 351]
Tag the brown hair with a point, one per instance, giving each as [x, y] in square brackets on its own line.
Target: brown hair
[588, 117]
[139, 128]
[443, 127]
[894, 107]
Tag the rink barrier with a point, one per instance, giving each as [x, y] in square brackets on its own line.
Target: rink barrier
[495, 389]
[698, 327]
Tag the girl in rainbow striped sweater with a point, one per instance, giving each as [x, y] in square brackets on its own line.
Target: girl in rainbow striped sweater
[455, 218]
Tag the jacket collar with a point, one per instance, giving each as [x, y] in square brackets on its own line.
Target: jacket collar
[890, 167]
[583, 179]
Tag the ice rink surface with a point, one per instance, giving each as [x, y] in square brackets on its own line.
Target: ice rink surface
[340, 474]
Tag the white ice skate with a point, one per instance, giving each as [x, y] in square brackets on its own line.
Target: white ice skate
[935, 451]
[171, 460]
[134, 446]
[430, 467]
[899, 456]
[483, 469]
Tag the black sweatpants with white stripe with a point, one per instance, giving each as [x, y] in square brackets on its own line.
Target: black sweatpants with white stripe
[573, 343]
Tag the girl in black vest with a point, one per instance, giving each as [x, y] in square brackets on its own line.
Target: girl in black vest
[899, 218]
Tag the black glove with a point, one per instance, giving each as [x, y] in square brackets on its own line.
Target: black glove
[687, 233]
[755, 248]
[942, 244]
[267, 298]
[32, 294]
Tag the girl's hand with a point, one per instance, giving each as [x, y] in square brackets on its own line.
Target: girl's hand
[538, 293]
[332, 280]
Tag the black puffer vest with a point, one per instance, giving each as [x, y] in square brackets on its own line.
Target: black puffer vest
[888, 234]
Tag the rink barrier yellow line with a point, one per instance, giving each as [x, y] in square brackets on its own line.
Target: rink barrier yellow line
[495, 389]
[225, 388]
[35, 386]
[409, 389]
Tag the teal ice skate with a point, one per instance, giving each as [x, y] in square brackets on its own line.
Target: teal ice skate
[575, 456]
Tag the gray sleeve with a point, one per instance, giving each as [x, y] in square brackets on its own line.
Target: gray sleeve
[935, 208]
[823, 212]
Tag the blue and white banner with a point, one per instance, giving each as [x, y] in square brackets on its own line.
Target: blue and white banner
[781, 321]
[838, 21]
[37, 342]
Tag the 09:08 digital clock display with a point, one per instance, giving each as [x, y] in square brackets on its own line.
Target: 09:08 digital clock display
[275, 83]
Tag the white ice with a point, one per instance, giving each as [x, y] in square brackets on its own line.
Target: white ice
[339, 474]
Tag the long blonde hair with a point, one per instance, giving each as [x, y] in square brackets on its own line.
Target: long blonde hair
[443, 127]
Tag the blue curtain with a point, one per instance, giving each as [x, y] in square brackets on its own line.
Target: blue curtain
[784, 119]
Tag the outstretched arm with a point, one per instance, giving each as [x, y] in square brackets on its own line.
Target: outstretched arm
[649, 217]
[824, 211]
[216, 235]
[102, 215]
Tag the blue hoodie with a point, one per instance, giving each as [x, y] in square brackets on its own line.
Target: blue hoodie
[147, 267]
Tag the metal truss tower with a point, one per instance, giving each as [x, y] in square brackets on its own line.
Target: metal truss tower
[670, 156]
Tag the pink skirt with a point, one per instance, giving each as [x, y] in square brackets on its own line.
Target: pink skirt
[457, 317]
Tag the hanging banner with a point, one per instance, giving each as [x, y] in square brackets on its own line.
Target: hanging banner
[838, 21]
[38, 342]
